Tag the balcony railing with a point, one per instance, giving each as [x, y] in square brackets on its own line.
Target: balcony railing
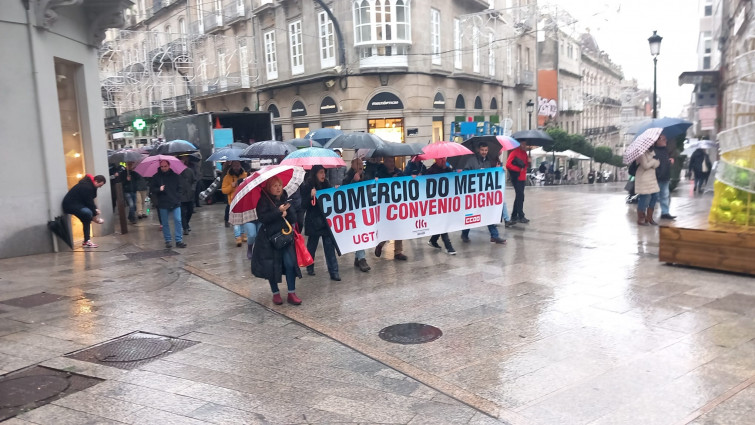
[234, 12]
[233, 81]
[169, 51]
[212, 22]
[196, 28]
[525, 78]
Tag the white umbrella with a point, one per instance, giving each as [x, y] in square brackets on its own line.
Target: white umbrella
[641, 144]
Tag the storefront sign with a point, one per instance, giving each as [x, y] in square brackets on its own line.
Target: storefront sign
[385, 100]
[363, 214]
[123, 135]
[328, 106]
[298, 109]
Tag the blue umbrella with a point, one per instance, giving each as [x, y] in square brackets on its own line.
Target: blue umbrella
[322, 135]
[227, 154]
[309, 157]
[672, 127]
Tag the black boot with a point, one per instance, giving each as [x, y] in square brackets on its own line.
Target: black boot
[335, 276]
[249, 249]
[363, 266]
[311, 270]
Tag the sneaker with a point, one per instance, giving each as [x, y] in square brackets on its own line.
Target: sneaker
[168, 245]
[89, 244]
[186, 232]
[277, 300]
[99, 220]
[180, 245]
[451, 251]
[523, 220]
[509, 223]
[668, 217]
[434, 244]
[499, 241]
[465, 239]
[400, 257]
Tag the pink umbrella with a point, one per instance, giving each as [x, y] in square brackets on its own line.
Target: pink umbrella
[244, 204]
[149, 166]
[641, 144]
[442, 150]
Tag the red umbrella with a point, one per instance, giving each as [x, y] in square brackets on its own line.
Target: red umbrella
[244, 204]
[443, 150]
[148, 167]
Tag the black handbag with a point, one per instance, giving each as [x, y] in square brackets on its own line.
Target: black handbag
[284, 237]
[518, 162]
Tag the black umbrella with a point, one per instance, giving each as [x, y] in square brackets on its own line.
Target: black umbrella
[355, 140]
[174, 147]
[60, 228]
[534, 138]
[305, 143]
[227, 154]
[268, 149]
[394, 149]
[128, 155]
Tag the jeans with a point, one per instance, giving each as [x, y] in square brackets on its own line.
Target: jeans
[505, 213]
[176, 214]
[646, 201]
[328, 246]
[444, 237]
[359, 254]
[518, 211]
[131, 202]
[250, 229]
[187, 210]
[664, 196]
[288, 268]
[85, 215]
[492, 228]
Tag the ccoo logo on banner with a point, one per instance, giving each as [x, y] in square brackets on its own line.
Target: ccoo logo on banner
[363, 214]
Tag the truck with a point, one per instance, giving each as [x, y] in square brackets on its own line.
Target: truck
[210, 130]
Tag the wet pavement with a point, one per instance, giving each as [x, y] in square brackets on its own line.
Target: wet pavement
[574, 321]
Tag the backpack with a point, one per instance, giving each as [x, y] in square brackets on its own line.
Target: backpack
[633, 168]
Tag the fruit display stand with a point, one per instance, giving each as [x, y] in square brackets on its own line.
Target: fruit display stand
[725, 239]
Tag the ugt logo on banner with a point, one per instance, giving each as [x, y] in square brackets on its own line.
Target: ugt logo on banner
[363, 214]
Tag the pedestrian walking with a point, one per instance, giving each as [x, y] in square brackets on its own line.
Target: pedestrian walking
[355, 175]
[231, 181]
[79, 201]
[700, 165]
[269, 262]
[189, 181]
[337, 174]
[315, 225]
[517, 165]
[440, 166]
[480, 161]
[167, 187]
[128, 178]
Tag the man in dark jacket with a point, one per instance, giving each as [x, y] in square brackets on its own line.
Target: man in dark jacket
[663, 175]
[439, 167]
[79, 201]
[129, 180]
[189, 181]
[481, 161]
[699, 164]
[168, 189]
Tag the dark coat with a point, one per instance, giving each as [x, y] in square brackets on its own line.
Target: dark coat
[314, 222]
[129, 186]
[267, 262]
[663, 172]
[189, 181]
[80, 196]
[169, 198]
[349, 179]
[696, 161]
[434, 169]
[375, 170]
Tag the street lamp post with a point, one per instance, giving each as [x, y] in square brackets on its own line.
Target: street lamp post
[530, 110]
[655, 50]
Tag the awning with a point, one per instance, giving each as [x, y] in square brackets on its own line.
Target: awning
[699, 77]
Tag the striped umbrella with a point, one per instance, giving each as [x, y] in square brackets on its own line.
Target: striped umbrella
[641, 144]
[244, 204]
[309, 157]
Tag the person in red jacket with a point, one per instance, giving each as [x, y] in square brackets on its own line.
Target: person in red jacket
[517, 165]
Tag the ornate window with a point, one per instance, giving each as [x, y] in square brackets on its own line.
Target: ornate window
[382, 28]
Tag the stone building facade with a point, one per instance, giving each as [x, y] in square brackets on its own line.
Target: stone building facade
[601, 88]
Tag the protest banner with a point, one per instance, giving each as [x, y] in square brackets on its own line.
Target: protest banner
[363, 214]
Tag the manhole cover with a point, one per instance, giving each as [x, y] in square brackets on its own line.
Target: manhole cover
[131, 351]
[146, 255]
[36, 386]
[34, 300]
[29, 389]
[410, 333]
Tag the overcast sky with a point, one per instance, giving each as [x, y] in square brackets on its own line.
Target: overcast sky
[622, 27]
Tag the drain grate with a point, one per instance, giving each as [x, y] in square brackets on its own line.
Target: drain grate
[34, 300]
[146, 255]
[34, 387]
[131, 351]
[410, 333]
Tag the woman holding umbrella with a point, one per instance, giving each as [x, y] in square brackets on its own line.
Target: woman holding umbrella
[231, 181]
[275, 213]
[645, 181]
[315, 225]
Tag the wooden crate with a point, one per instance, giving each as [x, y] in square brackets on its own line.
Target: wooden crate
[695, 242]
